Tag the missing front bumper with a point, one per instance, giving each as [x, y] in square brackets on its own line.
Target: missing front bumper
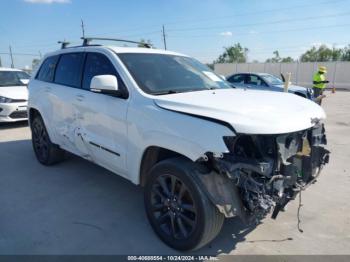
[263, 173]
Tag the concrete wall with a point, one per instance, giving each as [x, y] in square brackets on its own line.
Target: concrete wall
[302, 73]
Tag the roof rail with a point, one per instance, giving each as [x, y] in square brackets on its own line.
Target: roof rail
[87, 41]
[64, 44]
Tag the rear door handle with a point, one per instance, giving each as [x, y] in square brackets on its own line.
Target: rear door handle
[80, 97]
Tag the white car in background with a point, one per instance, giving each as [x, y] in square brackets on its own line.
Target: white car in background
[13, 95]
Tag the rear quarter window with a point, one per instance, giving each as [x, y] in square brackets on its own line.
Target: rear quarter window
[47, 70]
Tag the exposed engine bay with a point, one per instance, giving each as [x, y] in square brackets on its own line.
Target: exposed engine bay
[267, 171]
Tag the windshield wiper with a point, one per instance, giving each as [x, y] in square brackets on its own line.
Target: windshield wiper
[167, 92]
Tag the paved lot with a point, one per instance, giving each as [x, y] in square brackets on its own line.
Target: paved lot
[79, 208]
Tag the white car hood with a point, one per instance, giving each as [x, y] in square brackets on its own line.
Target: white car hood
[247, 111]
[14, 92]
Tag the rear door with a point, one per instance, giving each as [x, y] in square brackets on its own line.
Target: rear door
[102, 118]
[66, 86]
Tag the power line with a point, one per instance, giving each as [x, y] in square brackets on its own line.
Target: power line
[262, 23]
[174, 22]
[255, 12]
[23, 54]
[264, 32]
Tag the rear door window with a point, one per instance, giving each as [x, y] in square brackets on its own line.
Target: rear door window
[255, 80]
[69, 69]
[47, 69]
[237, 79]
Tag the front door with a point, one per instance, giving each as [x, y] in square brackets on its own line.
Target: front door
[102, 118]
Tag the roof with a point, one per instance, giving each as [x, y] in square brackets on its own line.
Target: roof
[117, 49]
[9, 69]
[143, 50]
[252, 73]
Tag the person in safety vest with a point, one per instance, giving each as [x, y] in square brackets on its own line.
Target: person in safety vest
[319, 83]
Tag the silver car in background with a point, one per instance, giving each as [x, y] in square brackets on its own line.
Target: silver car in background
[268, 82]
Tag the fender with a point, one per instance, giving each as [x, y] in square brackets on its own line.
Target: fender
[172, 130]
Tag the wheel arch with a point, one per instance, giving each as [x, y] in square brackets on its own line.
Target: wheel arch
[32, 113]
[153, 155]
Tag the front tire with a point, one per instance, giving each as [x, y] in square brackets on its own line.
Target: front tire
[177, 207]
[45, 151]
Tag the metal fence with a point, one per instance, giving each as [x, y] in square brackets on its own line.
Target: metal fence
[302, 73]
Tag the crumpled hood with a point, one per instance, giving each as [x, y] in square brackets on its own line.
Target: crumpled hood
[14, 92]
[247, 111]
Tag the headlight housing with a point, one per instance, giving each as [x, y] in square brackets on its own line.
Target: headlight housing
[5, 99]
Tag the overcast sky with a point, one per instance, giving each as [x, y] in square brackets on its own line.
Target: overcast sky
[200, 28]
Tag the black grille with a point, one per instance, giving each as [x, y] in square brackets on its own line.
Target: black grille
[19, 114]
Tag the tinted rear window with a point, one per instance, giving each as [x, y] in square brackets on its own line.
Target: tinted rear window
[69, 69]
[47, 69]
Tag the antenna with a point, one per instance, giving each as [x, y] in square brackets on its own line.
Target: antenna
[64, 44]
[11, 56]
[83, 28]
[164, 37]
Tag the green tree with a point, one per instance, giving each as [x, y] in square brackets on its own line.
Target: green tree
[278, 59]
[346, 53]
[287, 59]
[235, 53]
[275, 59]
[35, 63]
[322, 54]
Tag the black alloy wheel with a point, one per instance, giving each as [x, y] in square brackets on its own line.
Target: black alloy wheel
[173, 207]
[177, 206]
[45, 151]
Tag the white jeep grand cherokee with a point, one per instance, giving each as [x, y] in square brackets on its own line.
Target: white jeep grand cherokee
[202, 150]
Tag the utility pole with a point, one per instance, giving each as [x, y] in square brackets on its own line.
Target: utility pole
[0, 62]
[164, 37]
[11, 56]
[83, 28]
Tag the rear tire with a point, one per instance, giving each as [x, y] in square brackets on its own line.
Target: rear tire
[177, 207]
[45, 151]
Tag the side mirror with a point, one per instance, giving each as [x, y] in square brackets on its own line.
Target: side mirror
[105, 84]
[24, 81]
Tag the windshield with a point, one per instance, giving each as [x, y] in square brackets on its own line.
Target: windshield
[159, 74]
[273, 80]
[23, 75]
[12, 78]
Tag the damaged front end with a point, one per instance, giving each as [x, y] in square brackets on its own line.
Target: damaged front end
[264, 172]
